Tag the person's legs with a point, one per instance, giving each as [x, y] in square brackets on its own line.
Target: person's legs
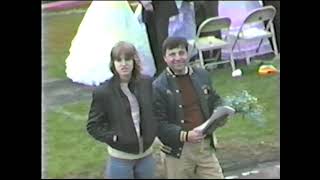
[161, 26]
[208, 166]
[119, 168]
[152, 36]
[157, 30]
[184, 167]
[176, 168]
[189, 153]
[145, 168]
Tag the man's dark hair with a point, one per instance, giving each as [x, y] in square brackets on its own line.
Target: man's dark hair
[174, 42]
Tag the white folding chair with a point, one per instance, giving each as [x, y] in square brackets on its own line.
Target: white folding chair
[209, 42]
[248, 33]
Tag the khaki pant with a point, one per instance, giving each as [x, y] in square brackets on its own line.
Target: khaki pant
[196, 161]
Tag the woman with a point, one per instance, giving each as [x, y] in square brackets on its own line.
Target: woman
[121, 116]
[104, 24]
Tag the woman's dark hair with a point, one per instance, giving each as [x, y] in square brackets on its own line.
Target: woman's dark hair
[129, 52]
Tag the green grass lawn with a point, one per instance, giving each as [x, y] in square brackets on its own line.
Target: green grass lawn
[58, 32]
[266, 89]
[71, 152]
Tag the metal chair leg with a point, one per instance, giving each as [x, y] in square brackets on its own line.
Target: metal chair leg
[233, 65]
[274, 41]
[201, 59]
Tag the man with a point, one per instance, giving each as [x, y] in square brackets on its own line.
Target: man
[184, 99]
[156, 16]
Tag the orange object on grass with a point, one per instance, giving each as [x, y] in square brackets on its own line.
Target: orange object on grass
[266, 70]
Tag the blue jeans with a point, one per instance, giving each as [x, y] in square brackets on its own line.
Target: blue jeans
[143, 168]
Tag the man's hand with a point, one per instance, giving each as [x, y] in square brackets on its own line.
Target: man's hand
[195, 136]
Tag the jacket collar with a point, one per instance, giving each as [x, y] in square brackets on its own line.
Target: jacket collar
[115, 80]
[188, 70]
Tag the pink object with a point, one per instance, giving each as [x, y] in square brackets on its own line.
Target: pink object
[63, 5]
